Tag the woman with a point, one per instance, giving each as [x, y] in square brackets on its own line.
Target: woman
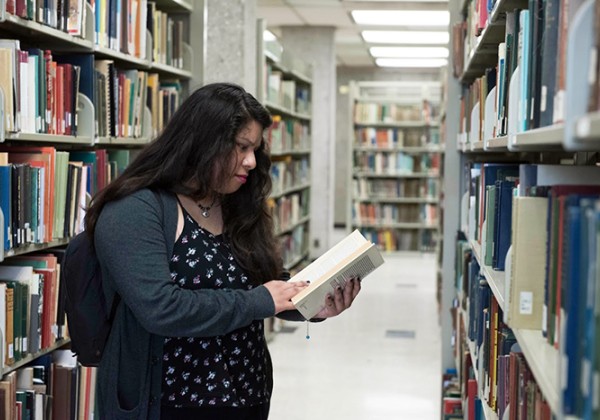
[195, 267]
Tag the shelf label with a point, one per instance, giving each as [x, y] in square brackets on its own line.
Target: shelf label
[526, 303]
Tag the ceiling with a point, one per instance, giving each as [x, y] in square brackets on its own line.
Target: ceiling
[351, 49]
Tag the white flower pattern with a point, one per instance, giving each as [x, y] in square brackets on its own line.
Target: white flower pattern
[228, 370]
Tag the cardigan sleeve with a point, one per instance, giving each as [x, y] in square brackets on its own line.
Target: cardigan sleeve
[132, 249]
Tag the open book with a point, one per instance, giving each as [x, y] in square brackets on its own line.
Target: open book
[353, 256]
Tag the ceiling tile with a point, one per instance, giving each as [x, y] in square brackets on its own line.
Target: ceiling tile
[277, 16]
[262, 3]
[356, 61]
[330, 16]
[352, 49]
[348, 36]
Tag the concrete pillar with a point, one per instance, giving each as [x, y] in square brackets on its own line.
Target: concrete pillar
[316, 46]
[226, 30]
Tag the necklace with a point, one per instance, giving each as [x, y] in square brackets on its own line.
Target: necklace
[206, 210]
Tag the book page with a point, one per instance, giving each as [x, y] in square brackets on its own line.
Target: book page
[312, 299]
[334, 256]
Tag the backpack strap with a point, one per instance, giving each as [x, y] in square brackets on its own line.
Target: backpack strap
[117, 298]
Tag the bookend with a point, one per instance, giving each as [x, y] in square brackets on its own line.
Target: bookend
[580, 44]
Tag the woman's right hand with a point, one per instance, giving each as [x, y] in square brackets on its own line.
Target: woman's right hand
[282, 292]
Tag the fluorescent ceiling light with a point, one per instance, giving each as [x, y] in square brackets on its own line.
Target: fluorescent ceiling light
[269, 36]
[411, 62]
[405, 37]
[409, 52]
[402, 17]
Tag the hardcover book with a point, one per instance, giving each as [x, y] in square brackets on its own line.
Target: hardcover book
[353, 256]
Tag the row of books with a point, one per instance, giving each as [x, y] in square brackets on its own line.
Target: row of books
[288, 134]
[397, 239]
[44, 191]
[378, 112]
[396, 163]
[32, 314]
[396, 188]
[294, 244]
[52, 387]
[494, 369]
[396, 137]
[41, 93]
[121, 97]
[289, 174]
[123, 26]
[286, 92]
[119, 25]
[550, 224]
[366, 213]
[65, 15]
[287, 211]
[532, 67]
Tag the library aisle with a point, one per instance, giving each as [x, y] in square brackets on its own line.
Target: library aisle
[378, 361]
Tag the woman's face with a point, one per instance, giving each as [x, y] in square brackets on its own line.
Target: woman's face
[243, 160]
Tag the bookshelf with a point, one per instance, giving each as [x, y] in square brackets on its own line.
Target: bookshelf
[396, 156]
[77, 101]
[284, 86]
[559, 150]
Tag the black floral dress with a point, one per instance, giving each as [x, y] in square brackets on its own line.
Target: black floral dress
[228, 370]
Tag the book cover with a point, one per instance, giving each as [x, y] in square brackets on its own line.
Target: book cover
[536, 12]
[503, 222]
[5, 204]
[525, 294]
[524, 66]
[353, 256]
[549, 53]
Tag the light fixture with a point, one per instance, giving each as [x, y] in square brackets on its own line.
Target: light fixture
[409, 52]
[411, 62]
[405, 37]
[269, 36]
[402, 17]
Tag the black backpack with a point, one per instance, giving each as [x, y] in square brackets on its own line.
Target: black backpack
[88, 315]
[89, 319]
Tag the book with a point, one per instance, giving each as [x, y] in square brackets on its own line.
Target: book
[525, 288]
[353, 256]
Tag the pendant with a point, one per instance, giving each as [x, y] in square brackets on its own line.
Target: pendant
[205, 213]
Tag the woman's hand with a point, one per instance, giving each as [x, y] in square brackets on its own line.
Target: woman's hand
[282, 292]
[341, 299]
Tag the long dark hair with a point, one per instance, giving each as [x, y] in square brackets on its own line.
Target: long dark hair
[196, 144]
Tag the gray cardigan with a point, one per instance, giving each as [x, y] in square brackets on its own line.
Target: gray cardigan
[134, 240]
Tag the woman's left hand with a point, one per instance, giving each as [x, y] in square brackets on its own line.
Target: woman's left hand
[341, 300]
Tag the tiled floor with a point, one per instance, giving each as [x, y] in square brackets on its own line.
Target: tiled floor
[378, 361]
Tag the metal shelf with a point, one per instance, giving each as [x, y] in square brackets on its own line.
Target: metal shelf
[170, 70]
[425, 149]
[285, 153]
[397, 124]
[25, 249]
[397, 175]
[290, 190]
[32, 357]
[289, 229]
[49, 138]
[401, 200]
[280, 109]
[384, 225]
[543, 360]
[495, 279]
